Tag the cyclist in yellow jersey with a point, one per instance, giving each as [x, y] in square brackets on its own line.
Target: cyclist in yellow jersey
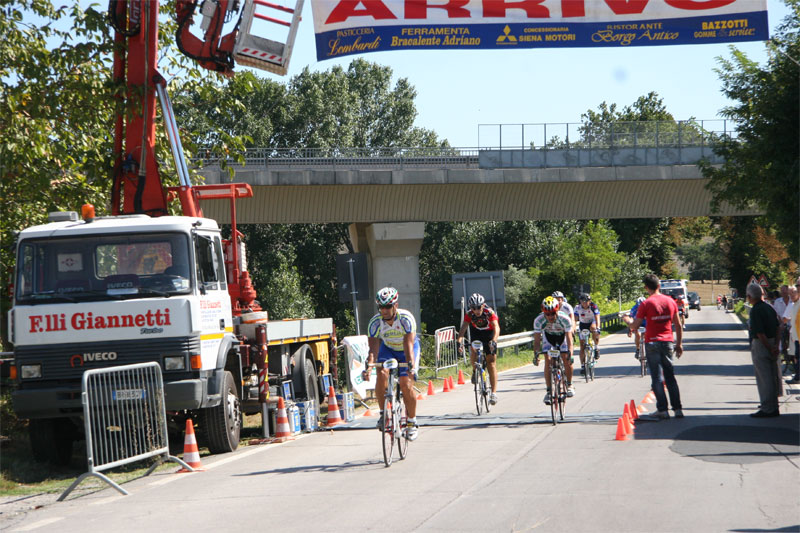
[393, 335]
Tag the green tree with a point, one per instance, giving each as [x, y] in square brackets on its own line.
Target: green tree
[750, 250]
[762, 163]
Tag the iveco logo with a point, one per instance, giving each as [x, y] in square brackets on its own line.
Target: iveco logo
[79, 359]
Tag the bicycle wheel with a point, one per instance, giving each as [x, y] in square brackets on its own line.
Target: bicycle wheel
[400, 417]
[562, 398]
[590, 369]
[388, 430]
[485, 391]
[478, 390]
[643, 363]
[555, 380]
[588, 364]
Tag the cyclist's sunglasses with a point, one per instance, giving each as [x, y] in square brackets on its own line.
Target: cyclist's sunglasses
[475, 307]
[549, 313]
[386, 306]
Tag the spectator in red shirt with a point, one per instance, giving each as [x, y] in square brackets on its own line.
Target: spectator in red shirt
[660, 312]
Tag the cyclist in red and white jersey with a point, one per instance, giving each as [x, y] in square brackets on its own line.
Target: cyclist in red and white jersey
[556, 328]
[483, 326]
[587, 315]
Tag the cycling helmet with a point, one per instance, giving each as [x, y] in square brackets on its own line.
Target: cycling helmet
[386, 296]
[584, 297]
[640, 299]
[558, 294]
[476, 300]
[550, 305]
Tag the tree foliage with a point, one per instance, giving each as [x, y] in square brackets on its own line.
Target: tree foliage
[762, 164]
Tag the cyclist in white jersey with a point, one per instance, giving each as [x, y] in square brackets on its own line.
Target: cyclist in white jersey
[565, 308]
[587, 315]
[393, 335]
[556, 328]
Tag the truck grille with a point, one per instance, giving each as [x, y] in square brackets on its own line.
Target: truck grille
[66, 362]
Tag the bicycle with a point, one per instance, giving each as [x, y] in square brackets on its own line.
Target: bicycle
[642, 356]
[482, 387]
[558, 381]
[588, 370]
[394, 415]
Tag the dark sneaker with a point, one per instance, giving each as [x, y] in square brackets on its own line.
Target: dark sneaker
[636, 355]
[678, 413]
[536, 360]
[547, 398]
[474, 378]
[583, 370]
[596, 354]
[762, 414]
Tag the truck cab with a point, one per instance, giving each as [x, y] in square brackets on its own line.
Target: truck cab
[115, 291]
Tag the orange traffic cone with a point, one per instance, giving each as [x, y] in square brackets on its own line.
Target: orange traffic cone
[634, 412]
[334, 417]
[621, 433]
[640, 408]
[648, 397]
[368, 413]
[191, 454]
[452, 385]
[282, 430]
[626, 418]
[460, 377]
[420, 396]
[626, 410]
[446, 385]
[431, 392]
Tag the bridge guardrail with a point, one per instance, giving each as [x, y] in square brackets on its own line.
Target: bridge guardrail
[565, 138]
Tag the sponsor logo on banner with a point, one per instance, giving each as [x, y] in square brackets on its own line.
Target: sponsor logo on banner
[345, 27]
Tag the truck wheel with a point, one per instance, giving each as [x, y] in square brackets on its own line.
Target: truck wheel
[51, 440]
[305, 379]
[223, 423]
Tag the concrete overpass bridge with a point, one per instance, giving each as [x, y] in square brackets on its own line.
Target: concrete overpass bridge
[643, 170]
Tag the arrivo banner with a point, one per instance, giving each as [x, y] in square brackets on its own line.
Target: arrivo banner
[345, 27]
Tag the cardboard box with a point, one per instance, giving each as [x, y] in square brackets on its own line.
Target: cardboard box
[347, 406]
[309, 420]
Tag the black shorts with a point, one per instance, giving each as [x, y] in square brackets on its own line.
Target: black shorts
[585, 325]
[483, 335]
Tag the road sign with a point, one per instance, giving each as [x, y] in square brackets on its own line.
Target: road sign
[763, 281]
[753, 281]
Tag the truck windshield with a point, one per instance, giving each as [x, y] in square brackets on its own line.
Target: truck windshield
[103, 267]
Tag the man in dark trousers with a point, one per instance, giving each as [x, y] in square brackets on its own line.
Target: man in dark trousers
[661, 312]
[764, 352]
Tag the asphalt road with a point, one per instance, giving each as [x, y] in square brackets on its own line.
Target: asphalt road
[511, 470]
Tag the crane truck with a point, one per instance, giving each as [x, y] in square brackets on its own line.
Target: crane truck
[141, 285]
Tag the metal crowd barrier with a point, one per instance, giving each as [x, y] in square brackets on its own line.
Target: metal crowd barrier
[446, 349]
[124, 419]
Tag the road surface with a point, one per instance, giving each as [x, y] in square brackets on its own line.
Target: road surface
[511, 470]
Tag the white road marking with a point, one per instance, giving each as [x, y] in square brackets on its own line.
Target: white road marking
[40, 523]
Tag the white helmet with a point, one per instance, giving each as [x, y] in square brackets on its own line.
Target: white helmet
[476, 300]
[640, 299]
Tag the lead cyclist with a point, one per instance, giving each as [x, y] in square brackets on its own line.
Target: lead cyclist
[393, 335]
[555, 326]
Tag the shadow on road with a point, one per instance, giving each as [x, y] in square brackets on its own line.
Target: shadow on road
[727, 438]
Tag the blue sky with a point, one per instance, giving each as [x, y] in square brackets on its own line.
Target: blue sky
[457, 90]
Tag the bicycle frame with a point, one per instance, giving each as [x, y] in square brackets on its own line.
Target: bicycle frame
[479, 371]
[642, 355]
[558, 383]
[394, 416]
[589, 362]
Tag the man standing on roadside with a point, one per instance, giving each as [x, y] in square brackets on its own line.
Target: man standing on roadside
[764, 352]
[660, 312]
[792, 323]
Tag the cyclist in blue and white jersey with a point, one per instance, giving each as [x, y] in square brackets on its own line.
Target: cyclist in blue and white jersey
[636, 336]
[587, 315]
[556, 327]
[393, 335]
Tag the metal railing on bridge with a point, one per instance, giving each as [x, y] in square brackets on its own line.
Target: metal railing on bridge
[543, 138]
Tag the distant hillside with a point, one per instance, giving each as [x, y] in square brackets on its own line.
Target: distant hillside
[703, 289]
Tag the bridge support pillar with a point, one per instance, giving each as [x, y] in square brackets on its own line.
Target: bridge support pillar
[393, 260]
